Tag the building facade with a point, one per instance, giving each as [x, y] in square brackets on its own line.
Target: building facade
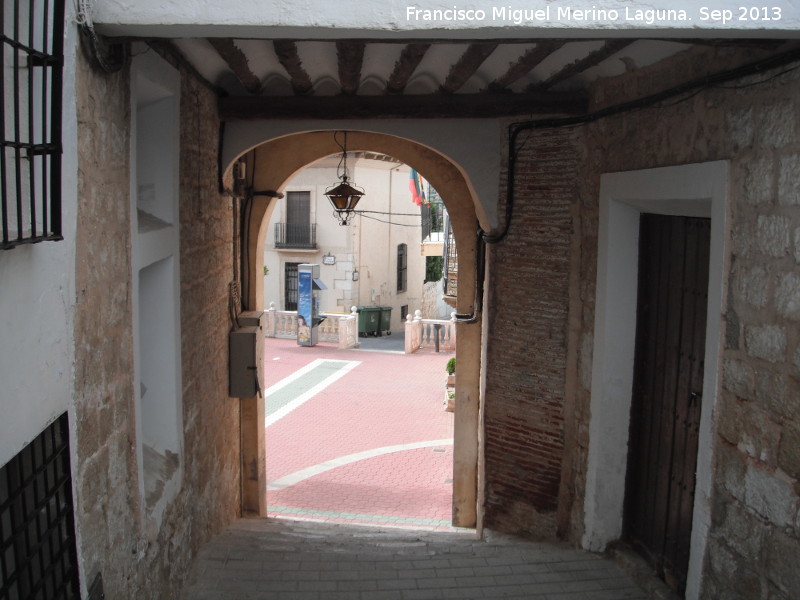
[375, 260]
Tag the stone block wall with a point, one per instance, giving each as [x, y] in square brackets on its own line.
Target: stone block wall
[134, 560]
[540, 343]
[106, 480]
[755, 529]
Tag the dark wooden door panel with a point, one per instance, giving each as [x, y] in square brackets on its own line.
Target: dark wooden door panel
[667, 388]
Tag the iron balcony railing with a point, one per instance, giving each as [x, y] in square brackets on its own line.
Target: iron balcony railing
[432, 214]
[289, 235]
[450, 261]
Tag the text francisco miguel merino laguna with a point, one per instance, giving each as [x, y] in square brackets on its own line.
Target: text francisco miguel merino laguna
[558, 13]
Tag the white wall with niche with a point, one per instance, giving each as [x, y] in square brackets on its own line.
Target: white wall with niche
[155, 144]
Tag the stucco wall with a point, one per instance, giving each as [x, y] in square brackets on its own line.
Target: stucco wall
[37, 308]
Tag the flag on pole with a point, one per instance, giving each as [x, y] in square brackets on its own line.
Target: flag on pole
[416, 185]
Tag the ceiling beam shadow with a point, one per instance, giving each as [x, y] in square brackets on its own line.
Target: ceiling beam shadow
[526, 63]
[287, 54]
[405, 66]
[579, 66]
[237, 61]
[466, 66]
[351, 59]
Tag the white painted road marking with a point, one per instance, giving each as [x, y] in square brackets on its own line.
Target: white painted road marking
[347, 366]
[308, 472]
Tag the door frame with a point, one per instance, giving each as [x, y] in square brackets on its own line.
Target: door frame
[698, 190]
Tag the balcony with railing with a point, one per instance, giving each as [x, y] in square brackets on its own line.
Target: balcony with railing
[294, 236]
[433, 220]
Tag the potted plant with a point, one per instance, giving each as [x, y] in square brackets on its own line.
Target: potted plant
[450, 389]
[451, 372]
[449, 399]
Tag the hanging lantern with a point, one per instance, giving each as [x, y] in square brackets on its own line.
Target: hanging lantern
[343, 195]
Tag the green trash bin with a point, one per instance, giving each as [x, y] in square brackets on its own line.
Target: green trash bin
[386, 320]
[369, 319]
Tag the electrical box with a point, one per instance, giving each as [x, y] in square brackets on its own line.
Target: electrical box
[253, 318]
[246, 356]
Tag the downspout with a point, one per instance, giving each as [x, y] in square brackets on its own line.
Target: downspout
[484, 237]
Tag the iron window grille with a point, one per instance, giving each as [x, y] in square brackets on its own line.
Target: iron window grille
[402, 267]
[32, 53]
[38, 556]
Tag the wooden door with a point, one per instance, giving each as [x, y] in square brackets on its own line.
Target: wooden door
[667, 391]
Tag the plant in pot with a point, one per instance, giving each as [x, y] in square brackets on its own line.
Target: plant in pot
[451, 372]
[450, 389]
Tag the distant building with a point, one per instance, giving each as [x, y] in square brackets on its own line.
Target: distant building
[376, 260]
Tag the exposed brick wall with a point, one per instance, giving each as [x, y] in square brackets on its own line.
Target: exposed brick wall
[524, 431]
[755, 529]
[135, 561]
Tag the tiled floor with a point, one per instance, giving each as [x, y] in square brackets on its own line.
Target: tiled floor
[359, 436]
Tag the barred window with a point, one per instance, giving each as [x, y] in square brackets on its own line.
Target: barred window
[30, 163]
[402, 267]
[38, 555]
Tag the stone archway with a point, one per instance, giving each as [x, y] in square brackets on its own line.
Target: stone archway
[274, 162]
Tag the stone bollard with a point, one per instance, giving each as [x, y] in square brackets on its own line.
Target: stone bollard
[270, 329]
[413, 332]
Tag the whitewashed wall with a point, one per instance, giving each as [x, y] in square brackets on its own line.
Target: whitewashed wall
[396, 18]
[37, 306]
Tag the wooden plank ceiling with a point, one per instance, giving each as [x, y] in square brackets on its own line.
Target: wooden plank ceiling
[413, 78]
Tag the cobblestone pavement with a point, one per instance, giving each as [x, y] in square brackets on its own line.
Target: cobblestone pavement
[265, 559]
[358, 436]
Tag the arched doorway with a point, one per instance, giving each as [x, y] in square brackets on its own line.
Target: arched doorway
[273, 163]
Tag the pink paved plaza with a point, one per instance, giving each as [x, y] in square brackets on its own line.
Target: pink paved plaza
[369, 443]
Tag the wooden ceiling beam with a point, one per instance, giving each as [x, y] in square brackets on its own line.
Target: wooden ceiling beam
[287, 54]
[237, 62]
[466, 66]
[351, 58]
[405, 66]
[390, 106]
[526, 63]
[579, 66]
